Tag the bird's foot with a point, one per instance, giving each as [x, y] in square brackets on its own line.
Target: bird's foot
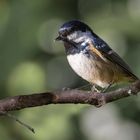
[95, 89]
[106, 88]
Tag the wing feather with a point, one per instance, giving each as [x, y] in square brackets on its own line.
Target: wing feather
[111, 55]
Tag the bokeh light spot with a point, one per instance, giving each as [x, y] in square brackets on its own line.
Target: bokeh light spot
[27, 77]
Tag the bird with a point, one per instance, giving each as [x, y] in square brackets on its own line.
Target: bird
[92, 58]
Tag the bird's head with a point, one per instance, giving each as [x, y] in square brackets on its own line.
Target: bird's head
[74, 32]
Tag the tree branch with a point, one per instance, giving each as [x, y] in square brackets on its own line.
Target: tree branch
[67, 96]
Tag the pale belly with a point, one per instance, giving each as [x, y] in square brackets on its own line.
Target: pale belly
[90, 71]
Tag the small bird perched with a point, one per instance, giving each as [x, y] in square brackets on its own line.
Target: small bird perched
[91, 57]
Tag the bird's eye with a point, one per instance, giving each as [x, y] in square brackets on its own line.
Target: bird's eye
[64, 33]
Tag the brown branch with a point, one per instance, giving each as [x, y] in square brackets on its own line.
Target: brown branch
[61, 97]
[67, 96]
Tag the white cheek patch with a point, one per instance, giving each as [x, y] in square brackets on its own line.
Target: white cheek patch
[73, 35]
[79, 39]
[79, 36]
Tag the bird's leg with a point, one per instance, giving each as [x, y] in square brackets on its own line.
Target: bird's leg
[94, 88]
[106, 88]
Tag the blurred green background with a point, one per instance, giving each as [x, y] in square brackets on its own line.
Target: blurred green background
[30, 61]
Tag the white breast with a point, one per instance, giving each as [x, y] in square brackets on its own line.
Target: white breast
[86, 68]
[82, 65]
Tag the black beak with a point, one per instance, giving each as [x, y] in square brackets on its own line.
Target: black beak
[58, 38]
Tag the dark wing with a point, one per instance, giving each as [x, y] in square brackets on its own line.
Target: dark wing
[112, 56]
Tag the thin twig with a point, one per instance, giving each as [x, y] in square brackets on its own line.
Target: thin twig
[17, 120]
